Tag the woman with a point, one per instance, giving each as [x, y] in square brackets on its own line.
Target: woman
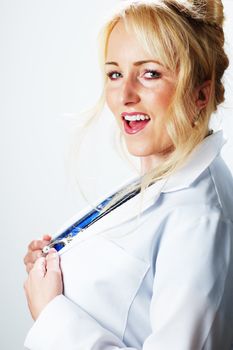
[163, 281]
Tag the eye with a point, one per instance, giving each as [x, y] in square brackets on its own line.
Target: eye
[113, 75]
[152, 74]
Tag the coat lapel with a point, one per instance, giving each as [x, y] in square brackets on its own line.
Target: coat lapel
[122, 214]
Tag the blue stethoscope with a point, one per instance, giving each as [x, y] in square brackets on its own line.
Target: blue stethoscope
[64, 238]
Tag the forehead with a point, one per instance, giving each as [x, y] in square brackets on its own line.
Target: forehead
[124, 44]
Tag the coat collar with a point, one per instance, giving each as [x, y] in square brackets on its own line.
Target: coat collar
[201, 157]
[199, 160]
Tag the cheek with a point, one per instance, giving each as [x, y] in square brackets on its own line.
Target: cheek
[161, 100]
[160, 96]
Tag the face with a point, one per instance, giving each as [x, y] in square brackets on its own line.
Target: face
[138, 87]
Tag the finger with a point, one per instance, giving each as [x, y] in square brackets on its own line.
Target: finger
[39, 267]
[25, 287]
[47, 238]
[53, 261]
[29, 266]
[37, 244]
[32, 256]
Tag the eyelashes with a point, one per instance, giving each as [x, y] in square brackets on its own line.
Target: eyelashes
[148, 74]
[111, 74]
[156, 74]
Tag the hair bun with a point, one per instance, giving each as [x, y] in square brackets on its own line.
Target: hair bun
[214, 11]
[210, 11]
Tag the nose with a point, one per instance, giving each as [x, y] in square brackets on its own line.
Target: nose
[129, 92]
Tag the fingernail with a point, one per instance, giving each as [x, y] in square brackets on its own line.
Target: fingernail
[53, 250]
[52, 255]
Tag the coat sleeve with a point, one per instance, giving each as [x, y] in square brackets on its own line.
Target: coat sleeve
[191, 305]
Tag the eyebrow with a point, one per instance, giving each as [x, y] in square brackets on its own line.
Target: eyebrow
[138, 63]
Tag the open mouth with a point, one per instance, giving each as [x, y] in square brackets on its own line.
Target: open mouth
[133, 125]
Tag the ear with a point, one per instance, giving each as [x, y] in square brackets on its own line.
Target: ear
[202, 95]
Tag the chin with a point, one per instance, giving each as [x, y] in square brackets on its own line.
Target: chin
[138, 151]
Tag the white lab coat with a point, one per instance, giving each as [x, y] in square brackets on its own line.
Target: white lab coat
[159, 282]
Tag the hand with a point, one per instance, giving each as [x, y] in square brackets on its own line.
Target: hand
[35, 251]
[44, 282]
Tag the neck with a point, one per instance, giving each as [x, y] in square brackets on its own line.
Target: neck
[150, 162]
[153, 161]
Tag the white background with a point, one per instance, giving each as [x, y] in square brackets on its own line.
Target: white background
[48, 72]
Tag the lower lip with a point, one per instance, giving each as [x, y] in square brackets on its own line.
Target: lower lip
[135, 126]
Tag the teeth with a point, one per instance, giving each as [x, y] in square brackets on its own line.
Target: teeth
[136, 117]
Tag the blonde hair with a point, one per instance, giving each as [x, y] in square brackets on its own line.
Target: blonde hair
[187, 36]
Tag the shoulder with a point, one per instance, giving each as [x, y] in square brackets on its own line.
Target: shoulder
[222, 180]
[196, 217]
[209, 193]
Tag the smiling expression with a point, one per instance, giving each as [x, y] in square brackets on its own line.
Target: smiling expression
[138, 87]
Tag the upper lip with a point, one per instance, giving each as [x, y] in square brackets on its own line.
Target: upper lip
[133, 113]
